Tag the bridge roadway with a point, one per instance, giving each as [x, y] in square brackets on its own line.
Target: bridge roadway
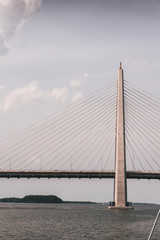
[77, 174]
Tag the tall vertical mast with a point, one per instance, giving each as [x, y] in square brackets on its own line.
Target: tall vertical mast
[120, 191]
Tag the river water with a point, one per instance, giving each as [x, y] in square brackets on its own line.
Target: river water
[76, 222]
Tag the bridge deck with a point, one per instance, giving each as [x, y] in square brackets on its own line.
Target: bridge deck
[76, 174]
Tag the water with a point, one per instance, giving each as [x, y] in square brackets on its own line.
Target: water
[76, 222]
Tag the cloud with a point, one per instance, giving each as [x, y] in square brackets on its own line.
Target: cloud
[20, 96]
[13, 14]
[78, 82]
[1, 87]
[77, 96]
[60, 94]
[4, 47]
[31, 93]
[85, 76]
[75, 83]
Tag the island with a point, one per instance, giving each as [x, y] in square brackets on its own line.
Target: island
[34, 199]
[41, 199]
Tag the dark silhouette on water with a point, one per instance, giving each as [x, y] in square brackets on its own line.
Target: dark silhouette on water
[34, 199]
[41, 199]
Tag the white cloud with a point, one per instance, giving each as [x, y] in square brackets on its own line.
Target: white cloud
[1, 88]
[28, 94]
[4, 47]
[60, 93]
[75, 83]
[78, 82]
[85, 76]
[32, 93]
[13, 13]
[20, 96]
[77, 96]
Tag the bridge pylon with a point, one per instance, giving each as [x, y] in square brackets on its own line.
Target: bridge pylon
[120, 182]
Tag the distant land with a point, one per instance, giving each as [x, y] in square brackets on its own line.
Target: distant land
[55, 199]
[34, 199]
[40, 199]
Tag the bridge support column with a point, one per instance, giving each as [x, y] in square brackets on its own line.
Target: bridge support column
[120, 185]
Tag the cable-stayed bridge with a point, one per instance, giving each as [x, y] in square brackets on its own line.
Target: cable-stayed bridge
[112, 133]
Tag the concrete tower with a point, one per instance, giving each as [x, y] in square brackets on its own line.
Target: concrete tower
[120, 186]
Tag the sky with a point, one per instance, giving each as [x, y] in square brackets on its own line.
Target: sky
[54, 52]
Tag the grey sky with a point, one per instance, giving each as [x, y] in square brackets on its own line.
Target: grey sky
[63, 42]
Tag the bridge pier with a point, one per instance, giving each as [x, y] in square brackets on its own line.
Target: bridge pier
[120, 184]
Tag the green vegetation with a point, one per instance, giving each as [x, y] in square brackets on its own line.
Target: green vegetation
[34, 199]
[41, 199]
